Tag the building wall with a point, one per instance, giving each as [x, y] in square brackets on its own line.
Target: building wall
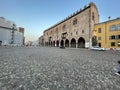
[106, 33]
[5, 35]
[9, 34]
[77, 34]
[6, 23]
[41, 41]
[18, 38]
[22, 30]
[5, 30]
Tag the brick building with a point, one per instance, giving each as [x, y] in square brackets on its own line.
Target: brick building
[74, 31]
[41, 41]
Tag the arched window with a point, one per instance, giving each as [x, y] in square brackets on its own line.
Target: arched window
[93, 16]
[64, 26]
[82, 31]
[118, 26]
[75, 21]
[56, 30]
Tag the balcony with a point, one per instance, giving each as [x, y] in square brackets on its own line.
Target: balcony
[64, 35]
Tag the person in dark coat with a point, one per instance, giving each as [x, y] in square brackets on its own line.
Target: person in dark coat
[117, 69]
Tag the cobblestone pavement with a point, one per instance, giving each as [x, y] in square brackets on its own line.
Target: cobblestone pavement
[42, 68]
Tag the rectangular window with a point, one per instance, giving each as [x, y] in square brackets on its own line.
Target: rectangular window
[93, 16]
[64, 26]
[99, 44]
[112, 37]
[119, 44]
[76, 33]
[118, 27]
[82, 31]
[99, 30]
[75, 21]
[118, 36]
[112, 43]
[113, 28]
[99, 38]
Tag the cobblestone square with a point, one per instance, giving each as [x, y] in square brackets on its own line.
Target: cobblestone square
[48, 68]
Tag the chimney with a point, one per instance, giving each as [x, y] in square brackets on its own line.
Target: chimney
[21, 30]
[109, 18]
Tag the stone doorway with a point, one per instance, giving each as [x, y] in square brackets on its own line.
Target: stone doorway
[73, 43]
[0, 43]
[53, 43]
[62, 43]
[66, 43]
[57, 43]
[81, 43]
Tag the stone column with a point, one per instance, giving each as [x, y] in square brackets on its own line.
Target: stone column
[55, 44]
[76, 45]
[69, 45]
[64, 43]
[59, 44]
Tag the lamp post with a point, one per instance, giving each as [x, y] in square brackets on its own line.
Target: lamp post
[12, 38]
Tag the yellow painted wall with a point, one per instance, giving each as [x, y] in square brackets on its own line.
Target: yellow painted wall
[106, 33]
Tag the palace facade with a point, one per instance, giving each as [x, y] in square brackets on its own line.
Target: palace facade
[74, 31]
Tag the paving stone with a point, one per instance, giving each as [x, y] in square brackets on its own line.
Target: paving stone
[47, 68]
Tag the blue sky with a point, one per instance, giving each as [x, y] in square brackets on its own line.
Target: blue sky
[37, 15]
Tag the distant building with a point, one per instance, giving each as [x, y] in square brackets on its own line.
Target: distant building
[19, 36]
[41, 41]
[21, 30]
[35, 43]
[28, 43]
[9, 33]
[74, 31]
[107, 34]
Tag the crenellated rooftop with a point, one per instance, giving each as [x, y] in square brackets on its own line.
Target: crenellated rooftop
[72, 15]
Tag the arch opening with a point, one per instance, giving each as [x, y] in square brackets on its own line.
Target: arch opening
[66, 43]
[0, 43]
[62, 43]
[81, 42]
[53, 44]
[73, 43]
[57, 43]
